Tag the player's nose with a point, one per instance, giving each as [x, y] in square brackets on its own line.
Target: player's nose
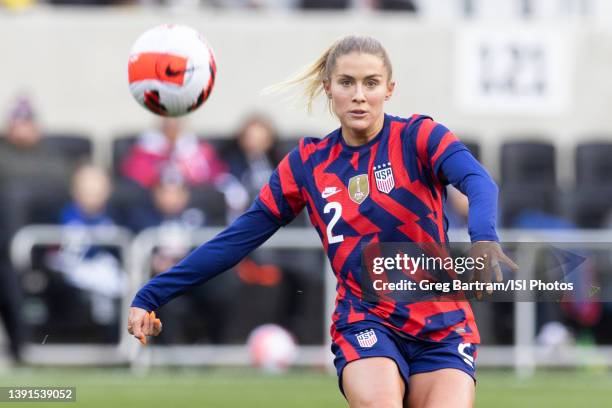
[359, 96]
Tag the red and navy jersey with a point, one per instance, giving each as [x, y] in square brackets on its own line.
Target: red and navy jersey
[387, 190]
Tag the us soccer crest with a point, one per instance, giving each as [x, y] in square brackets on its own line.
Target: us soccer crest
[366, 339]
[359, 188]
[384, 177]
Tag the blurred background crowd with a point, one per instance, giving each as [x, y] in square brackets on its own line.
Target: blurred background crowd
[165, 177]
[468, 8]
[173, 176]
[401, 5]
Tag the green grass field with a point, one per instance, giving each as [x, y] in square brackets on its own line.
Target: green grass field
[220, 388]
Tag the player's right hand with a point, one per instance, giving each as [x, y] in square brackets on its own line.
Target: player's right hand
[142, 324]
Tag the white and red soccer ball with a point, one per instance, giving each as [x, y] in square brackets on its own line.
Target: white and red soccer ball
[171, 70]
[272, 348]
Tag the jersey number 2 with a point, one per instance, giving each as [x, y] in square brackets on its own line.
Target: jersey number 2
[331, 238]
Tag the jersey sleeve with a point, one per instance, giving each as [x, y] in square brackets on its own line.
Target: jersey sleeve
[464, 172]
[282, 197]
[433, 143]
[221, 253]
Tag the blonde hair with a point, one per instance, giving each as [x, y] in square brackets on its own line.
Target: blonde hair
[314, 75]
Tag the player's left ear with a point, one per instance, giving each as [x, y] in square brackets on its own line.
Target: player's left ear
[327, 88]
[390, 88]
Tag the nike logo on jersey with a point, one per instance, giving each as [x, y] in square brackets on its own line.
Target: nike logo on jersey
[330, 191]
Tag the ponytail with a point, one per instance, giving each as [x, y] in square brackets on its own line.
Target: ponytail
[314, 75]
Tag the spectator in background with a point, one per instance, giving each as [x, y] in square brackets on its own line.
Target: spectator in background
[254, 159]
[22, 157]
[33, 181]
[169, 205]
[172, 213]
[93, 270]
[195, 160]
[29, 177]
[171, 144]
[91, 190]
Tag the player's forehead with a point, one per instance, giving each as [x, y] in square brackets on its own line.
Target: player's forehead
[359, 65]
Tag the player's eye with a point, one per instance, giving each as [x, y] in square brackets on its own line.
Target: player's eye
[345, 82]
[371, 83]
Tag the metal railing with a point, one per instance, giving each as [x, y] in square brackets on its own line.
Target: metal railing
[22, 245]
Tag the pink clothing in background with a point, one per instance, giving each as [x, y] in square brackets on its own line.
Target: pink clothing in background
[196, 160]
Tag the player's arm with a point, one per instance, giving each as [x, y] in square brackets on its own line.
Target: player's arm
[221, 253]
[277, 204]
[464, 172]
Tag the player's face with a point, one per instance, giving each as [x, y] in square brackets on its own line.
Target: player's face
[359, 86]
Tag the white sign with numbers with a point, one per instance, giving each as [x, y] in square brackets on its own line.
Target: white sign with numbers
[518, 69]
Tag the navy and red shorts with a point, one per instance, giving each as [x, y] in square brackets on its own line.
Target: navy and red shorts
[371, 339]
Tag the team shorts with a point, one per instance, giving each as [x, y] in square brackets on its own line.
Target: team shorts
[371, 339]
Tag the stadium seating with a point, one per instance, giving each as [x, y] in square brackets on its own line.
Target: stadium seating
[222, 144]
[126, 196]
[593, 164]
[71, 146]
[32, 203]
[528, 162]
[592, 197]
[528, 179]
[212, 203]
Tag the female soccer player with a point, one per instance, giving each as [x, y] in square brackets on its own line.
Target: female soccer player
[378, 178]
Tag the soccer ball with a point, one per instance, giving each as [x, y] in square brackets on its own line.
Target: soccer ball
[171, 70]
[271, 348]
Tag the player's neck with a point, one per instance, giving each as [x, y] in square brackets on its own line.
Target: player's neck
[358, 138]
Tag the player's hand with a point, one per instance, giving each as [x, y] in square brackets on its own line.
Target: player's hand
[142, 324]
[493, 254]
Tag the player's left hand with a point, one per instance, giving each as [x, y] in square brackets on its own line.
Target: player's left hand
[493, 253]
